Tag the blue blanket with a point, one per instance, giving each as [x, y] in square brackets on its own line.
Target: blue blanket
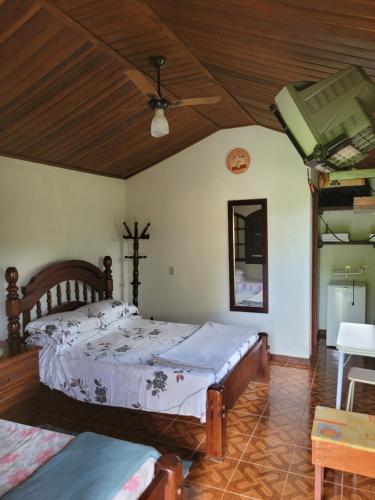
[91, 467]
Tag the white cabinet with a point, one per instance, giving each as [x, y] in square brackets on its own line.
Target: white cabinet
[345, 302]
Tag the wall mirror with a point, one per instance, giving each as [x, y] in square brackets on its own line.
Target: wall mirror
[248, 259]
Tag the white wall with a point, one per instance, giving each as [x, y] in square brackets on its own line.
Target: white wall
[334, 256]
[185, 199]
[49, 214]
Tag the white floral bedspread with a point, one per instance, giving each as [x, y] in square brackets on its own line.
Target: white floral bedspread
[116, 368]
[23, 449]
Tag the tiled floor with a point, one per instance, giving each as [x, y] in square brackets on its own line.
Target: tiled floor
[269, 452]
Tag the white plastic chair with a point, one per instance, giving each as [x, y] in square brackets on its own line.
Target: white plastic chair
[361, 375]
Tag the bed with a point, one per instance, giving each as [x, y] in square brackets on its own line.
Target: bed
[83, 283]
[248, 293]
[37, 463]
[249, 299]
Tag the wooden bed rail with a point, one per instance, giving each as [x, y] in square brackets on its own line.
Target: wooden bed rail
[94, 284]
[222, 397]
[167, 484]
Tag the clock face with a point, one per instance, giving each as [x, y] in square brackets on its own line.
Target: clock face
[238, 161]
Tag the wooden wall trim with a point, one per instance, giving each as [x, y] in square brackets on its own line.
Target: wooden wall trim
[290, 360]
[59, 165]
[314, 271]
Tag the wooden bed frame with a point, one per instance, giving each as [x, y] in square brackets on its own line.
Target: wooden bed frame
[98, 285]
[167, 483]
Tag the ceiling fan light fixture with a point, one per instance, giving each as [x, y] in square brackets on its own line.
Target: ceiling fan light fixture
[159, 124]
[156, 101]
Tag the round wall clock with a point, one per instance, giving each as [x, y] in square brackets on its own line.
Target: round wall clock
[238, 161]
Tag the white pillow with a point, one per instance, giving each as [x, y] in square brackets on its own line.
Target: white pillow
[108, 311]
[66, 329]
[60, 341]
[62, 331]
[69, 321]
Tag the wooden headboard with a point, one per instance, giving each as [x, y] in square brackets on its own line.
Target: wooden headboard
[87, 280]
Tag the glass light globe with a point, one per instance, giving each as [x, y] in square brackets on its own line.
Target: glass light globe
[159, 124]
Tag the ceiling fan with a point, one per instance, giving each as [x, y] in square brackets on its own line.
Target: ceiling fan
[158, 103]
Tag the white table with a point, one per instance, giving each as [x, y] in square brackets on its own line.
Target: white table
[353, 338]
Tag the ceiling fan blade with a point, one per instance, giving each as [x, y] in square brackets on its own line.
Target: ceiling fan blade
[195, 101]
[142, 82]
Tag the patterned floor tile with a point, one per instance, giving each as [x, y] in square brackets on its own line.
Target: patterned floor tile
[236, 444]
[277, 429]
[359, 482]
[210, 472]
[353, 494]
[233, 496]
[363, 406]
[270, 453]
[308, 416]
[301, 462]
[278, 362]
[322, 398]
[259, 390]
[201, 492]
[162, 447]
[257, 481]
[250, 403]
[280, 392]
[145, 427]
[290, 410]
[183, 434]
[302, 488]
[241, 422]
[269, 427]
[304, 436]
[333, 476]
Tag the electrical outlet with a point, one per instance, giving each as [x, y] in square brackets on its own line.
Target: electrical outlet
[171, 270]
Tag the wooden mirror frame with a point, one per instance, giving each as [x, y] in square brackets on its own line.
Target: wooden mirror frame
[231, 205]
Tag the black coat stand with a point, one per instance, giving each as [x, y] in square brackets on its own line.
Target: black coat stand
[135, 257]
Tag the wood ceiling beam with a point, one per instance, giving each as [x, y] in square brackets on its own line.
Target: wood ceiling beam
[145, 4]
[60, 165]
[19, 23]
[56, 12]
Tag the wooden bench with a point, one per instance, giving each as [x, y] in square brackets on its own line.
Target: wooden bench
[344, 441]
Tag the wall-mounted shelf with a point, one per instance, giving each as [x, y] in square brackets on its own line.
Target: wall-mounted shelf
[353, 242]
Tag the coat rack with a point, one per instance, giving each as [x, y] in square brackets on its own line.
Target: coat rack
[136, 237]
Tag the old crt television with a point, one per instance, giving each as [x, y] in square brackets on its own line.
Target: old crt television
[330, 122]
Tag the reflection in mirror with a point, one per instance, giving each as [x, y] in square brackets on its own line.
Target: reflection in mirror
[248, 261]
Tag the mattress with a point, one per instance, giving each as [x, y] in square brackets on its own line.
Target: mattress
[23, 449]
[118, 368]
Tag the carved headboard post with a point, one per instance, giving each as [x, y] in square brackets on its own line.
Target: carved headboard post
[107, 261]
[13, 305]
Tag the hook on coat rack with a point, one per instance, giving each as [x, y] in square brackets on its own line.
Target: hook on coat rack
[135, 236]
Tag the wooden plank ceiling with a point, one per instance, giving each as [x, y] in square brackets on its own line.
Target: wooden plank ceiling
[65, 99]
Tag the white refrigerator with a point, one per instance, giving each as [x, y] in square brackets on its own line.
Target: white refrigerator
[345, 302]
